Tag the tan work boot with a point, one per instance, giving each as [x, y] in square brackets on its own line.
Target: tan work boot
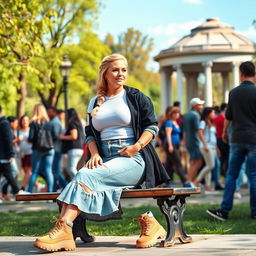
[59, 238]
[151, 230]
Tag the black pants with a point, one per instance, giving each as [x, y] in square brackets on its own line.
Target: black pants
[5, 170]
[224, 155]
[173, 162]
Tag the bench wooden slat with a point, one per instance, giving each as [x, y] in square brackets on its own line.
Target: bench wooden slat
[126, 193]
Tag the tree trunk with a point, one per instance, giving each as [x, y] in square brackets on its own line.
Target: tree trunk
[51, 98]
[22, 93]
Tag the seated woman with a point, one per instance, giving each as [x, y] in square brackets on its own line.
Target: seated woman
[121, 125]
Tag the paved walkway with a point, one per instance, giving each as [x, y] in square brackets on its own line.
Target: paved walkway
[221, 245]
[225, 245]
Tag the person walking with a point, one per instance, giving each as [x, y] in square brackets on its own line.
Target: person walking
[207, 135]
[59, 180]
[222, 146]
[190, 127]
[73, 141]
[241, 111]
[42, 158]
[7, 153]
[25, 149]
[172, 145]
[13, 121]
[122, 124]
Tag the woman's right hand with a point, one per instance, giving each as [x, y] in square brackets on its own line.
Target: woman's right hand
[170, 148]
[206, 149]
[94, 162]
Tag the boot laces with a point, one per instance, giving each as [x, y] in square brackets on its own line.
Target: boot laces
[145, 226]
[58, 225]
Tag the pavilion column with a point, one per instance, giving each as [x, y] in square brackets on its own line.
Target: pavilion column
[225, 80]
[208, 83]
[166, 95]
[235, 73]
[180, 86]
[192, 85]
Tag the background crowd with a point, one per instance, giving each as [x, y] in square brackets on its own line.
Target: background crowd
[39, 146]
[190, 146]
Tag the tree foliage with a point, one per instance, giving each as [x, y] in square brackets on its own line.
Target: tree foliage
[34, 35]
[136, 47]
[21, 32]
[71, 19]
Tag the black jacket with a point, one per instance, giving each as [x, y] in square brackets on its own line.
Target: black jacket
[6, 137]
[142, 116]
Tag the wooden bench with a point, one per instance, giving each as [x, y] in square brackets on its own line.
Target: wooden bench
[171, 201]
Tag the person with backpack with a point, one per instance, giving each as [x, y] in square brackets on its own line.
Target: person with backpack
[41, 135]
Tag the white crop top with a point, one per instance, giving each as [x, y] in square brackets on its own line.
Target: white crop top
[113, 119]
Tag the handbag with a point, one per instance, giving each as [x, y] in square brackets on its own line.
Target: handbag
[44, 139]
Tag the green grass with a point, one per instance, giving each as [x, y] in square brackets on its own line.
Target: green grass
[196, 221]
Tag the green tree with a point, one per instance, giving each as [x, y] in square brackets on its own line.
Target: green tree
[33, 38]
[21, 32]
[72, 19]
[136, 47]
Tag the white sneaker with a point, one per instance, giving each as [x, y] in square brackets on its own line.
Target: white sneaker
[23, 192]
[237, 195]
[207, 192]
[39, 188]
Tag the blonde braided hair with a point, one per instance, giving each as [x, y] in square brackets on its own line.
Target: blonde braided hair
[100, 101]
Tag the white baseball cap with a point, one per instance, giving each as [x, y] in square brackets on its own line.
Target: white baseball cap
[196, 101]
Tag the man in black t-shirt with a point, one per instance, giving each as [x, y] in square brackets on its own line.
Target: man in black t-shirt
[241, 111]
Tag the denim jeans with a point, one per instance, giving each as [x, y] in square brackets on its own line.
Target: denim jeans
[240, 179]
[59, 180]
[14, 170]
[5, 169]
[73, 157]
[216, 171]
[45, 159]
[238, 153]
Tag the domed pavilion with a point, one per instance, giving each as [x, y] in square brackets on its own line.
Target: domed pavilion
[211, 47]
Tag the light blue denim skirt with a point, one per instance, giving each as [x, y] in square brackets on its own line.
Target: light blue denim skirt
[106, 182]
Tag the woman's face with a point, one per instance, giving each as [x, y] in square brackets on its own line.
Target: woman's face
[116, 74]
[211, 115]
[25, 122]
[175, 116]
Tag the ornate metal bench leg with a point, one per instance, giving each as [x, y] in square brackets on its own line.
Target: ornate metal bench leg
[79, 230]
[173, 211]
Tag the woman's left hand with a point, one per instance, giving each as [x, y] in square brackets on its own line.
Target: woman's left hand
[129, 151]
[61, 137]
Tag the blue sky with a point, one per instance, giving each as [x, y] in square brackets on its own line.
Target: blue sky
[166, 21]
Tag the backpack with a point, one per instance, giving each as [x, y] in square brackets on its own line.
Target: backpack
[44, 139]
